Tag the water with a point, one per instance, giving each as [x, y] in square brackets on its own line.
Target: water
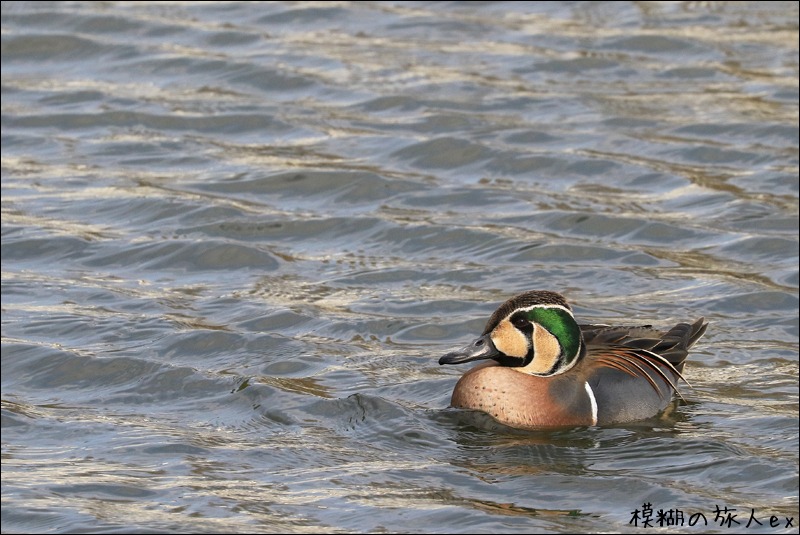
[237, 237]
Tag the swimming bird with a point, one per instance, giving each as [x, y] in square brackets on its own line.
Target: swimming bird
[548, 371]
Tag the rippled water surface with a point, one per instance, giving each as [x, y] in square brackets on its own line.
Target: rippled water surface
[236, 237]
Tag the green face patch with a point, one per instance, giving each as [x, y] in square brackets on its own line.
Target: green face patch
[560, 323]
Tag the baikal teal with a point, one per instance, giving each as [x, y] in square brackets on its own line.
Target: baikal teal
[548, 371]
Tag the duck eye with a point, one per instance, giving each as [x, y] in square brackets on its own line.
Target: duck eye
[519, 322]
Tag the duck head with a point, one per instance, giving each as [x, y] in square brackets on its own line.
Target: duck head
[534, 333]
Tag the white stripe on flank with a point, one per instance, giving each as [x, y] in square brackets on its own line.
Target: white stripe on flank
[593, 401]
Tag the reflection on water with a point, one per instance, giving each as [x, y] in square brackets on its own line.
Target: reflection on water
[237, 237]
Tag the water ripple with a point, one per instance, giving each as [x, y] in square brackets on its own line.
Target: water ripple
[237, 237]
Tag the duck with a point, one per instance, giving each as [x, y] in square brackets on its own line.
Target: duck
[545, 370]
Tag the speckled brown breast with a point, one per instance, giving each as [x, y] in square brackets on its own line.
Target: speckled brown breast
[522, 401]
